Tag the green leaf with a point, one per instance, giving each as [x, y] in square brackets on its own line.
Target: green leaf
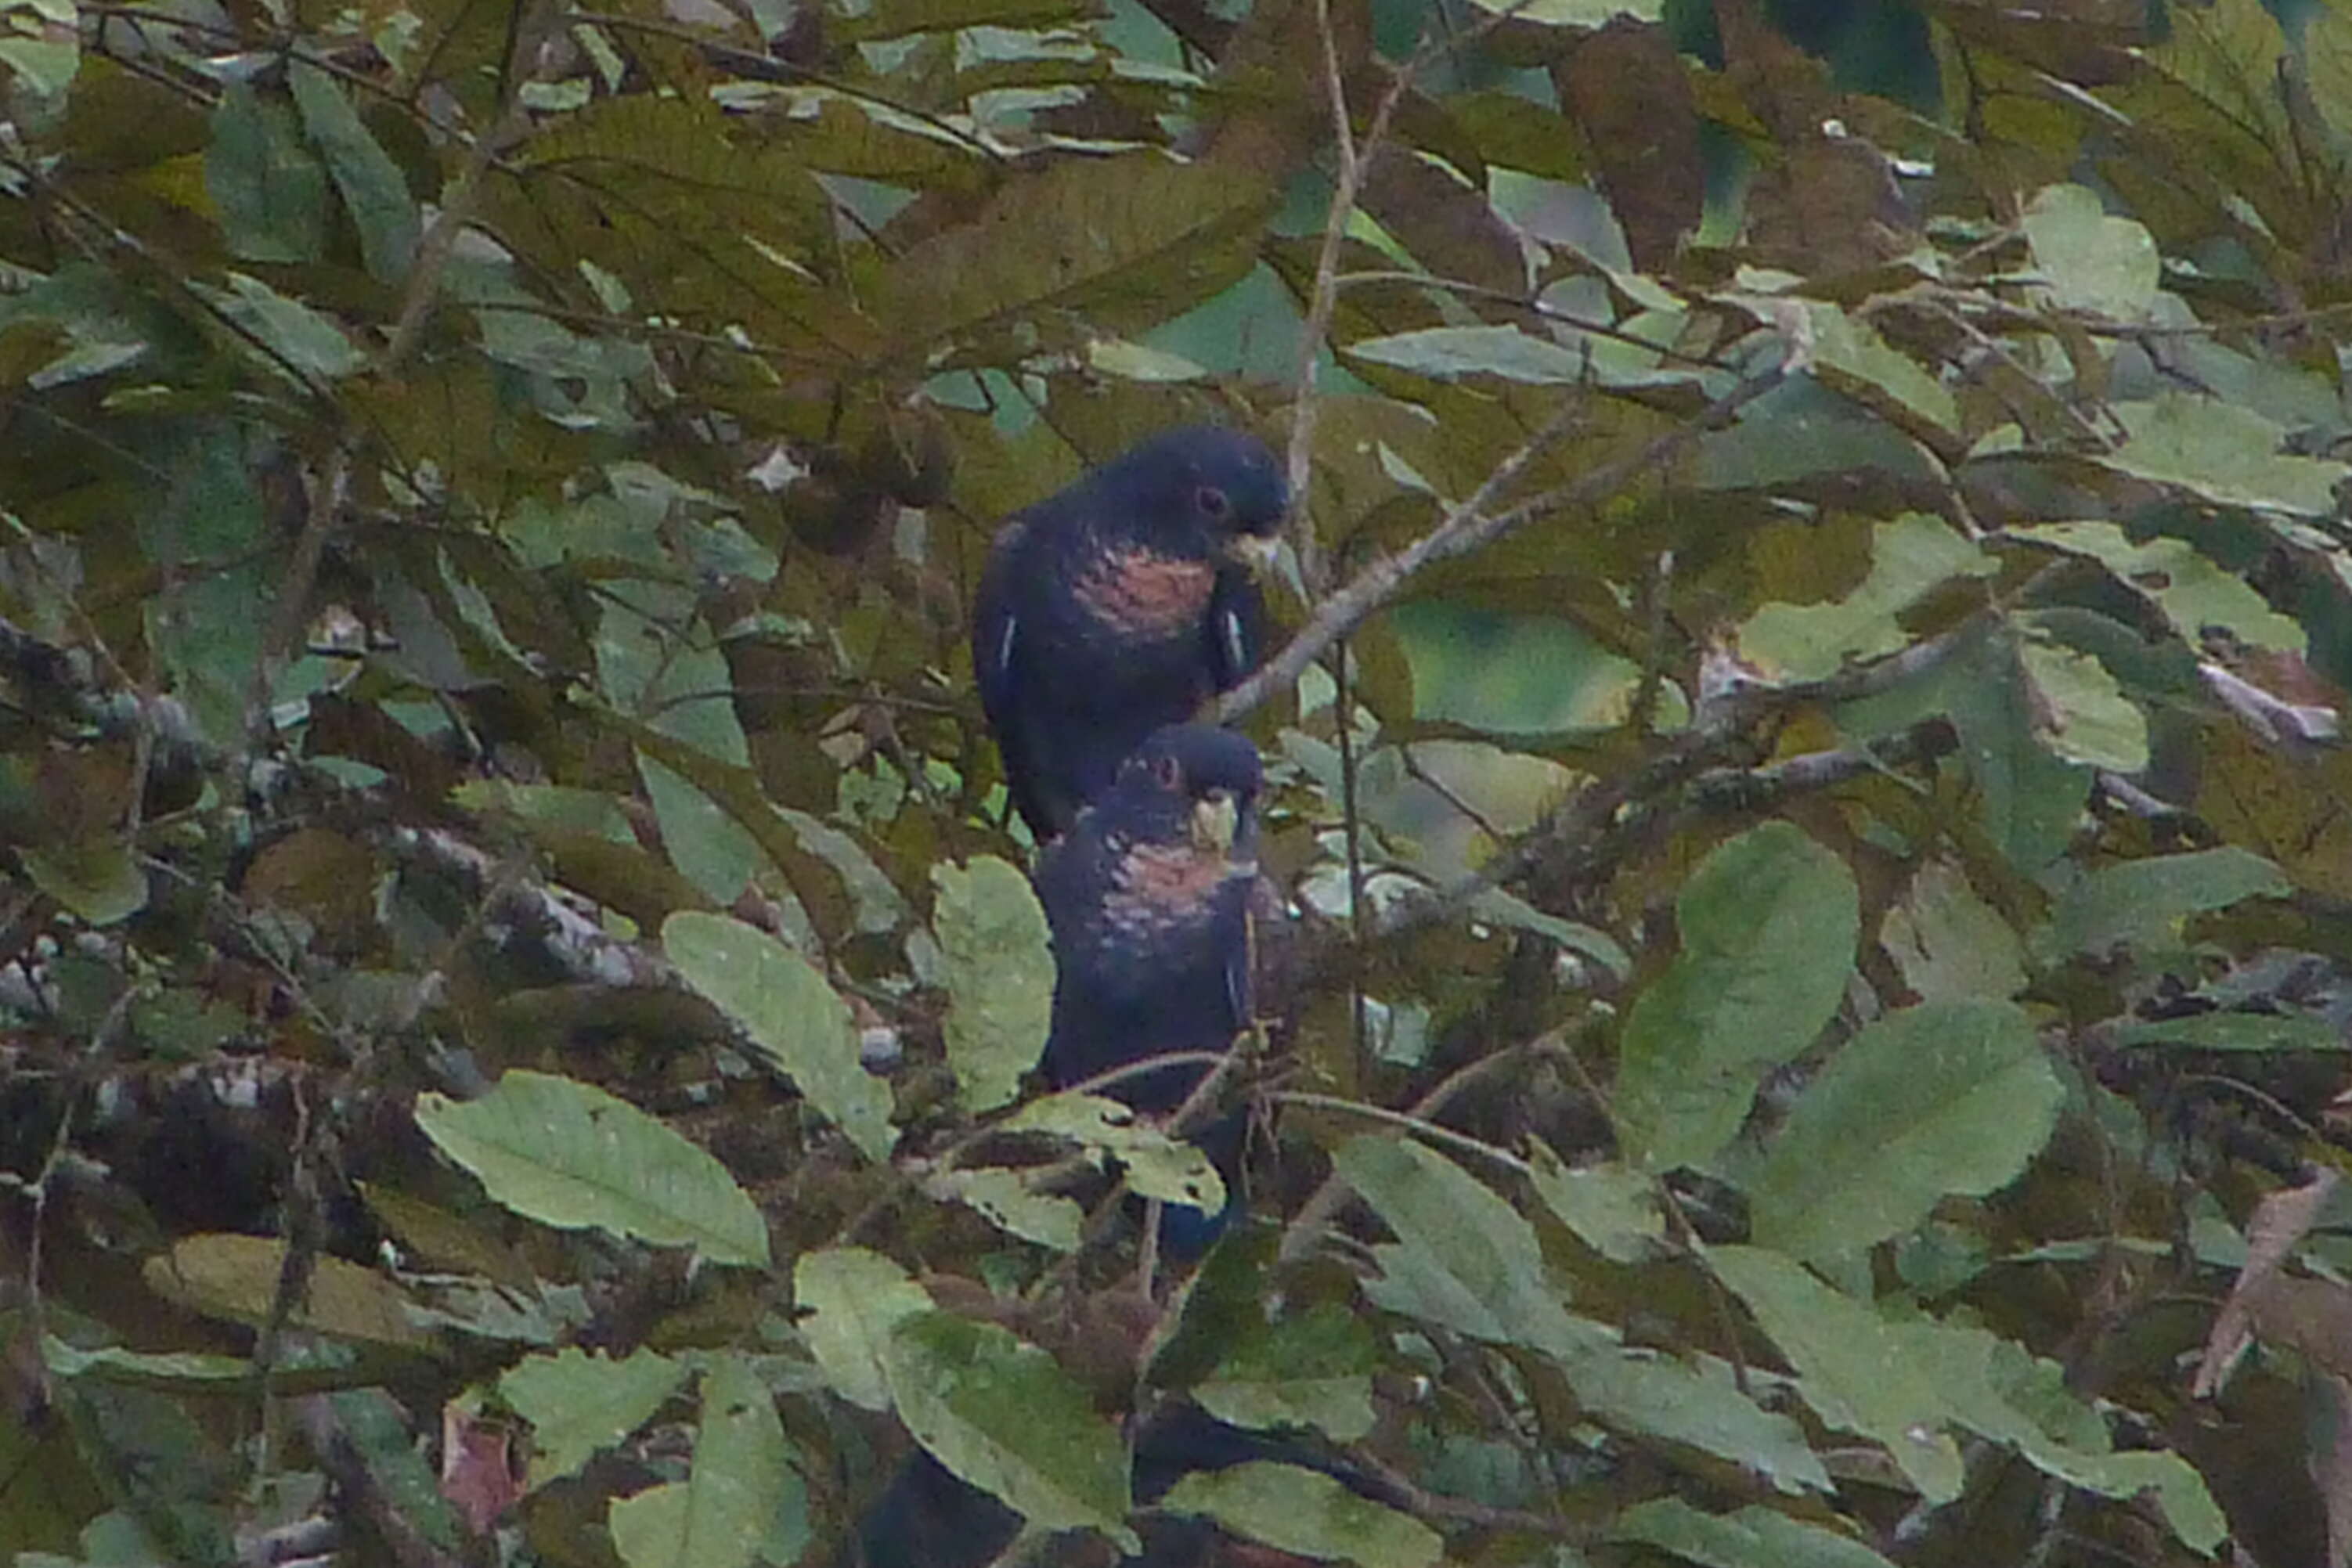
[1157, 1166]
[1947, 942]
[786, 1010]
[722, 1514]
[40, 46]
[1449, 353]
[2173, 575]
[303, 341]
[2088, 261]
[1004, 1417]
[1768, 923]
[1750, 1538]
[1128, 242]
[2221, 452]
[1946, 1097]
[2083, 714]
[997, 965]
[1850, 357]
[1311, 1369]
[1579, 13]
[96, 878]
[571, 1155]
[374, 193]
[580, 1404]
[1011, 1203]
[268, 187]
[236, 1277]
[1613, 1210]
[2141, 903]
[1854, 1369]
[853, 1299]
[1307, 1513]
[1474, 1259]
[1911, 557]
[1699, 1407]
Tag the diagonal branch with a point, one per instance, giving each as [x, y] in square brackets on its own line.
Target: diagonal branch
[1469, 527]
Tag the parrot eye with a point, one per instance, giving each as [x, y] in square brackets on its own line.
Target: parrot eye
[1169, 771]
[1212, 502]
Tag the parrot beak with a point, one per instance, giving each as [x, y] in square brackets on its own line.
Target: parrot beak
[1259, 552]
[1216, 816]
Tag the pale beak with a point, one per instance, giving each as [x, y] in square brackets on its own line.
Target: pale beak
[1259, 552]
[1216, 816]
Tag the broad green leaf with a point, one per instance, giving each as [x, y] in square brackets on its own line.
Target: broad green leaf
[2105, 266]
[1579, 13]
[1156, 1165]
[1751, 1537]
[40, 46]
[1848, 356]
[569, 1154]
[373, 191]
[997, 965]
[742, 1477]
[1312, 1368]
[853, 1299]
[2000, 1392]
[1949, 943]
[96, 878]
[2085, 716]
[267, 186]
[793, 1018]
[303, 342]
[1013, 1205]
[580, 1404]
[1137, 239]
[1853, 1367]
[1002, 1415]
[1946, 1097]
[1473, 1256]
[1693, 1404]
[236, 1277]
[1449, 353]
[1768, 923]
[2143, 902]
[1613, 1209]
[2170, 573]
[2228, 456]
[1307, 1513]
[1911, 556]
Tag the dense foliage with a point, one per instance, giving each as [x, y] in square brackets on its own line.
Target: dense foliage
[1805, 759]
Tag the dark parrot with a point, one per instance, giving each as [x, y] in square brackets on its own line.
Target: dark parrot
[929, 1519]
[1159, 915]
[1119, 605]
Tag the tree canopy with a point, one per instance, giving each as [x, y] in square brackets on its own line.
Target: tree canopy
[1803, 743]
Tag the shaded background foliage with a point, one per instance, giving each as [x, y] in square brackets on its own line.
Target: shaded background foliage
[1807, 765]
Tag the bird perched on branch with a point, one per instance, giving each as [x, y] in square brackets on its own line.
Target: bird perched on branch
[1162, 930]
[1119, 605]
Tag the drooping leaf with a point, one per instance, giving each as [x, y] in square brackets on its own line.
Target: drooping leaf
[1751, 1537]
[268, 187]
[1769, 924]
[998, 969]
[854, 1299]
[580, 1404]
[726, 1509]
[1946, 1097]
[237, 1277]
[2088, 260]
[788, 1011]
[2144, 901]
[1002, 1415]
[569, 1154]
[1305, 1513]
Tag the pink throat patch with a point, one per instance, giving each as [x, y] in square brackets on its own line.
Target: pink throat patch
[1142, 593]
[1155, 885]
